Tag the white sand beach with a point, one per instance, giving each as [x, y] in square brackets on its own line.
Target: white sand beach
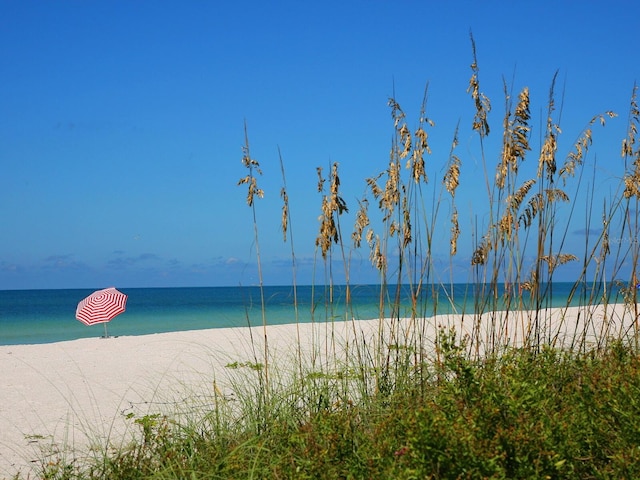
[78, 393]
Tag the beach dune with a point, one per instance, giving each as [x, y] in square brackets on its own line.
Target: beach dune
[69, 396]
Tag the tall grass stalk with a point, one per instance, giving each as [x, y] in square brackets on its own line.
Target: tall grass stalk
[286, 229]
[254, 191]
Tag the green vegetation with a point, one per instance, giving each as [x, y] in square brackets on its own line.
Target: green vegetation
[437, 402]
[520, 415]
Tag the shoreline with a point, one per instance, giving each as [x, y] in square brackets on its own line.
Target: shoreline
[77, 392]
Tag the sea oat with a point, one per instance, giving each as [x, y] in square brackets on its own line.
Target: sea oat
[332, 206]
[632, 179]
[451, 178]
[406, 223]
[377, 257]
[253, 189]
[455, 232]
[605, 249]
[362, 221]
[254, 168]
[481, 254]
[537, 203]
[554, 261]
[518, 197]
[285, 212]
[547, 160]
[451, 182]
[634, 118]
[534, 205]
[405, 139]
[516, 142]
[554, 194]
[372, 183]
[391, 195]
[416, 162]
[396, 112]
[328, 231]
[482, 103]
[506, 226]
[581, 147]
[321, 180]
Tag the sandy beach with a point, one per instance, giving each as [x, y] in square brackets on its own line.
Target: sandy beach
[78, 393]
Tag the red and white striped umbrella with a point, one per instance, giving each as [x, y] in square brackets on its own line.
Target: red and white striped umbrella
[101, 307]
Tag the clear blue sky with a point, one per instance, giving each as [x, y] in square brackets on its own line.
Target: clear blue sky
[121, 123]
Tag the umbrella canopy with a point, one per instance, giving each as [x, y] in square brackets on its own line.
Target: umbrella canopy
[101, 306]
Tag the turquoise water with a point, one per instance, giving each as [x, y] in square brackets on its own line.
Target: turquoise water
[44, 316]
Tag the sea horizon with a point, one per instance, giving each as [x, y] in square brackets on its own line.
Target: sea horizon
[48, 315]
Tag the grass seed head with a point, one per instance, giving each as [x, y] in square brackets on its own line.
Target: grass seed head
[362, 221]
[516, 138]
[481, 101]
[451, 179]
[581, 147]
[285, 213]
[629, 142]
[455, 233]
[406, 223]
[553, 261]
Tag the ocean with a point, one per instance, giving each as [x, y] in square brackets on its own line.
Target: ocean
[45, 316]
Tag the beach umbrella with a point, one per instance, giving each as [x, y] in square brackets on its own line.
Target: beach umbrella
[101, 307]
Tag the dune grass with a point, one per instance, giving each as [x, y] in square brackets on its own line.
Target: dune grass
[523, 414]
[420, 400]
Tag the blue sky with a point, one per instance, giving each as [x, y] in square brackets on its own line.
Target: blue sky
[121, 123]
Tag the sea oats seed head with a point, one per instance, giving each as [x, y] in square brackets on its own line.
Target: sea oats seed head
[362, 221]
[285, 213]
[455, 233]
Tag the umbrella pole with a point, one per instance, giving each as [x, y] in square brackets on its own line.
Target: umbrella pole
[106, 335]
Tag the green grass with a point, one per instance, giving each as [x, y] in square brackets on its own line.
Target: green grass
[553, 414]
[413, 404]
